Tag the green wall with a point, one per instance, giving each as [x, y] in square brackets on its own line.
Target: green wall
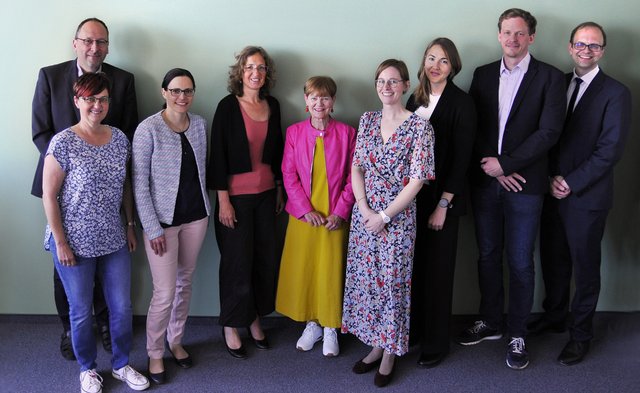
[343, 39]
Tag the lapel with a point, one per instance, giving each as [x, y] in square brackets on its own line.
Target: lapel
[443, 103]
[524, 86]
[71, 77]
[589, 96]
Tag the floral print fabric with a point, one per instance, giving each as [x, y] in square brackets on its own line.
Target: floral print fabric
[378, 276]
[91, 194]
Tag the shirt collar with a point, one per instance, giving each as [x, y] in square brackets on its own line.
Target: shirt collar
[523, 65]
[588, 77]
[80, 71]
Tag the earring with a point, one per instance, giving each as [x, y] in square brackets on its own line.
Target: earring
[306, 108]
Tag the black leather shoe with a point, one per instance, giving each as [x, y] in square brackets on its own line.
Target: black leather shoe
[158, 378]
[543, 325]
[382, 380]
[430, 360]
[105, 337]
[239, 353]
[260, 344]
[573, 352]
[184, 362]
[361, 367]
[66, 346]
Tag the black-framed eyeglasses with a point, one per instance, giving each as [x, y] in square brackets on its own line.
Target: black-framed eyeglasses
[177, 92]
[93, 99]
[89, 42]
[261, 68]
[592, 47]
[391, 82]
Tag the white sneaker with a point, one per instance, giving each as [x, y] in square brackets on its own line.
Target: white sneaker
[134, 379]
[330, 345]
[311, 335]
[90, 382]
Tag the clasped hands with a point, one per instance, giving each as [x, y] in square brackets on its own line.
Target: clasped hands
[316, 219]
[491, 166]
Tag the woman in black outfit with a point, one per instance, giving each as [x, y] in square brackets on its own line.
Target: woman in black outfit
[246, 154]
[441, 202]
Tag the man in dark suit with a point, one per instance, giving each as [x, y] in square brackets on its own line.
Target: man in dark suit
[520, 104]
[53, 110]
[581, 188]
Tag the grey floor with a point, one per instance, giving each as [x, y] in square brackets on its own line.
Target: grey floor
[30, 362]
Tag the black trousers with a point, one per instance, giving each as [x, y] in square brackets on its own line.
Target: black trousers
[434, 265]
[570, 241]
[100, 309]
[249, 262]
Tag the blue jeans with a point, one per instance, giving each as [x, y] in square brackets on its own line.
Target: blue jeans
[508, 221]
[114, 271]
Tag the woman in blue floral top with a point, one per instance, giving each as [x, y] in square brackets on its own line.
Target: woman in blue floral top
[85, 184]
[392, 160]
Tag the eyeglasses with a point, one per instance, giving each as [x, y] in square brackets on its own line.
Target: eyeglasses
[391, 82]
[92, 100]
[89, 42]
[177, 92]
[261, 68]
[592, 47]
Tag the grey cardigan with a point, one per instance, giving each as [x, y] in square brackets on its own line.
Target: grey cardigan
[156, 158]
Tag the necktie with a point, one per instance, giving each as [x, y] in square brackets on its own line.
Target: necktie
[572, 100]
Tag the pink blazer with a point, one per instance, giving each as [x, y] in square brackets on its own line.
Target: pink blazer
[297, 162]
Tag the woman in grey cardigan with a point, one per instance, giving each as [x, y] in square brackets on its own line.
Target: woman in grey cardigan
[169, 161]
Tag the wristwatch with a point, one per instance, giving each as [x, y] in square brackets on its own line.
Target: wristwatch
[386, 219]
[444, 203]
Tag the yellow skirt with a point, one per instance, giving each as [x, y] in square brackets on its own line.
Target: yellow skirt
[311, 282]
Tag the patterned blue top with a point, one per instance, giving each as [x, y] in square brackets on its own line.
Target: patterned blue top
[91, 194]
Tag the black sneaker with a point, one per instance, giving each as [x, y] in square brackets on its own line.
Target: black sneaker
[480, 331]
[66, 346]
[517, 355]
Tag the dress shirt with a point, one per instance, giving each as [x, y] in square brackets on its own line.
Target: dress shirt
[586, 80]
[509, 84]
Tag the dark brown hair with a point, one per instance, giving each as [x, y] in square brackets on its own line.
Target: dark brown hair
[91, 83]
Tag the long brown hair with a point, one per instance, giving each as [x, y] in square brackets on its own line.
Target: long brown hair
[421, 94]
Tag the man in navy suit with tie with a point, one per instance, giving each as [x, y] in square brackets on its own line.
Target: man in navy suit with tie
[520, 103]
[53, 110]
[581, 191]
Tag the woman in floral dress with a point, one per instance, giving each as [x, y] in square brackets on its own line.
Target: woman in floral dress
[392, 160]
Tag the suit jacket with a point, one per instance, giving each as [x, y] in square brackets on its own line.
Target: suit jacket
[230, 145]
[593, 141]
[53, 109]
[533, 126]
[454, 123]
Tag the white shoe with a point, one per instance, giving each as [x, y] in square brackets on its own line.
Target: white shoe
[330, 345]
[311, 335]
[90, 382]
[134, 379]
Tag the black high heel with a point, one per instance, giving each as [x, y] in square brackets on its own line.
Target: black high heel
[157, 378]
[239, 353]
[184, 362]
[260, 344]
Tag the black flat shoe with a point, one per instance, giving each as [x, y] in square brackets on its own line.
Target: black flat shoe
[430, 360]
[239, 353]
[382, 380]
[105, 337]
[573, 352]
[184, 362]
[66, 346]
[158, 378]
[260, 344]
[361, 367]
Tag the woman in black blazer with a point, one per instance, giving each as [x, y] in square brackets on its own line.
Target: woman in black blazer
[246, 154]
[441, 202]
